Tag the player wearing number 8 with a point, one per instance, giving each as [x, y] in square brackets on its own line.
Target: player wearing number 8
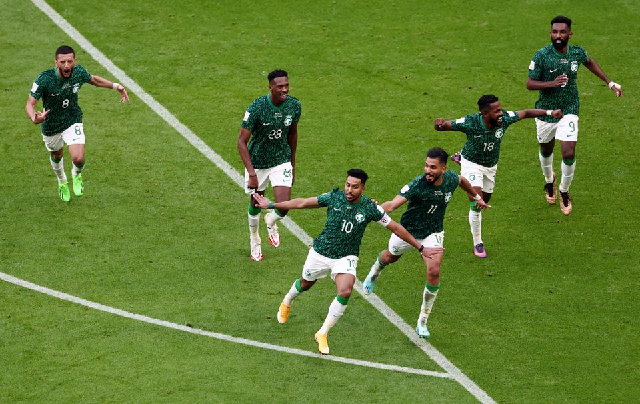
[61, 117]
[481, 151]
[335, 251]
[267, 145]
[554, 72]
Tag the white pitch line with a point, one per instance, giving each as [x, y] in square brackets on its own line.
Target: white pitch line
[224, 337]
[199, 144]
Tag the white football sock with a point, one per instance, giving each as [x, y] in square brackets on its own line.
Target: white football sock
[475, 222]
[292, 293]
[567, 176]
[428, 298]
[336, 310]
[254, 222]
[547, 167]
[58, 169]
[272, 217]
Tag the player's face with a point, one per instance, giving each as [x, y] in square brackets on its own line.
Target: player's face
[65, 64]
[353, 189]
[494, 114]
[279, 89]
[560, 34]
[433, 170]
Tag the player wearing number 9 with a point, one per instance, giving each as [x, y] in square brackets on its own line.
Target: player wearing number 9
[61, 117]
[481, 151]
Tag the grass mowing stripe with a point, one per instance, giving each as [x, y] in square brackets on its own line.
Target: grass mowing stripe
[434, 354]
[224, 337]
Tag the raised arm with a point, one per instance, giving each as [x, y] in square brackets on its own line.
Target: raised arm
[595, 69]
[395, 203]
[35, 116]
[298, 203]
[104, 83]
[533, 113]
[441, 125]
[466, 186]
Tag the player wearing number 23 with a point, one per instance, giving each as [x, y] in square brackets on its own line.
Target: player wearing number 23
[61, 117]
[480, 154]
[335, 251]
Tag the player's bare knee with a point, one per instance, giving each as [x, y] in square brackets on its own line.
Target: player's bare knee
[78, 160]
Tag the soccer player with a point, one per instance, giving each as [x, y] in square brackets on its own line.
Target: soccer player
[335, 251]
[61, 116]
[428, 195]
[554, 71]
[267, 144]
[481, 151]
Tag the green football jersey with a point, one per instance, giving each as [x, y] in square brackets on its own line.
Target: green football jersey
[269, 126]
[483, 145]
[60, 96]
[427, 204]
[345, 224]
[547, 64]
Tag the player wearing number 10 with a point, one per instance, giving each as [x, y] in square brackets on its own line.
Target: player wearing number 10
[61, 117]
[481, 151]
[267, 145]
[335, 251]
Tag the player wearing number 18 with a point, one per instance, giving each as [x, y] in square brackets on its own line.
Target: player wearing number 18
[481, 151]
[61, 117]
[335, 251]
[267, 145]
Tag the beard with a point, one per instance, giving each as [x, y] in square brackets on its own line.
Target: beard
[559, 44]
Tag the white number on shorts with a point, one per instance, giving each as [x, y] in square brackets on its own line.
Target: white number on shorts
[432, 209]
[65, 103]
[275, 134]
[488, 146]
[347, 227]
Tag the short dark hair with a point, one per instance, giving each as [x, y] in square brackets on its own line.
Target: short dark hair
[486, 100]
[438, 153]
[276, 73]
[65, 49]
[358, 173]
[561, 19]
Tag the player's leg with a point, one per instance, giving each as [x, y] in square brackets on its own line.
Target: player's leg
[316, 266]
[281, 178]
[432, 286]
[397, 247]
[74, 137]
[567, 134]
[546, 132]
[253, 213]
[55, 147]
[474, 174]
[344, 275]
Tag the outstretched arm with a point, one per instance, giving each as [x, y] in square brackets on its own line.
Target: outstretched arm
[298, 203]
[533, 113]
[35, 116]
[104, 83]
[466, 186]
[395, 203]
[404, 234]
[595, 69]
[440, 124]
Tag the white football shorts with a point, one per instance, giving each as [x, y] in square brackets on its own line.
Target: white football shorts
[398, 246]
[566, 129]
[318, 266]
[478, 175]
[280, 176]
[74, 134]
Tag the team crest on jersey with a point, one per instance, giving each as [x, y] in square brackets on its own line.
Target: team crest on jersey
[447, 197]
[359, 217]
[287, 120]
[499, 133]
[76, 87]
[574, 66]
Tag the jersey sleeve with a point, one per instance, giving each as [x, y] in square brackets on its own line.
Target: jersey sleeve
[535, 67]
[384, 219]
[582, 56]
[250, 117]
[510, 117]
[325, 199]
[85, 76]
[298, 114]
[408, 190]
[37, 88]
[461, 124]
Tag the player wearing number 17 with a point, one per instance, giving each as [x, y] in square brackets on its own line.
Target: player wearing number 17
[335, 251]
[481, 151]
[61, 117]
[267, 145]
